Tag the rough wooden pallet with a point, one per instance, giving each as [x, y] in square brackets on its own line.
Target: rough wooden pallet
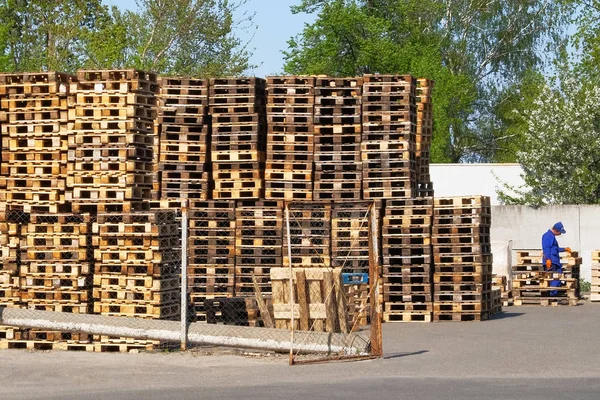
[321, 303]
[460, 317]
[407, 316]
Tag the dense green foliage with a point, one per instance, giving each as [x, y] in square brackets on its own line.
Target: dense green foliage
[480, 53]
[183, 37]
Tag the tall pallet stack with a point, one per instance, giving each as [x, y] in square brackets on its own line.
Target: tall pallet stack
[389, 120]
[337, 156]
[462, 258]
[211, 268]
[350, 237]
[238, 141]
[10, 258]
[424, 136]
[407, 260]
[137, 265]
[258, 244]
[184, 130]
[595, 291]
[35, 132]
[531, 281]
[290, 138]
[309, 236]
[56, 263]
[112, 156]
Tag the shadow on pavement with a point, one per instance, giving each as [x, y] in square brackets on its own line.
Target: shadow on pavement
[504, 315]
[399, 355]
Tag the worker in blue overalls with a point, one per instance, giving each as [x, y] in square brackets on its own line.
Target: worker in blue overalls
[551, 256]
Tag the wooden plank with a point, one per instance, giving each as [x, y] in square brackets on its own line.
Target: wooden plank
[342, 307]
[330, 309]
[262, 306]
[302, 299]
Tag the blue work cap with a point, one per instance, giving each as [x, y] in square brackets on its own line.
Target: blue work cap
[559, 227]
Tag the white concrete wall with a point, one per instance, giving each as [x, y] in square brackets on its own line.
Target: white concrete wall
[522, 227]
[474, 179]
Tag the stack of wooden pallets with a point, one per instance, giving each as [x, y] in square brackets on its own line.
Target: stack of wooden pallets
[112, 160]
[211, 268]
[238, 140]
[350, 237]
[56, 265]
[501, 283]
[290, 108]
[183, 131]
[407, 261]
[423, 137]
[137, 264]
[10, 258]
[389, 120]
[595, 289]
[35, 128]
[258, 244]
[462, 258]
[310, 235]
[531, 280]
[337, 156]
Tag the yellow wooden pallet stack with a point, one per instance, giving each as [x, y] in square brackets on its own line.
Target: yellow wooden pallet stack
[137, 265]
[290, 138]
[112, 149]
[36, 125]
[183, 130]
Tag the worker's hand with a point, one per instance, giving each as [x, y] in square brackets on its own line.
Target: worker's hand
[548, 264]
[568, 249]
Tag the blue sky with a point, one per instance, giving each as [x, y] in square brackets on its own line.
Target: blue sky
[275, 25]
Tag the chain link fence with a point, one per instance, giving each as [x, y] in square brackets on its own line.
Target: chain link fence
[298, 277]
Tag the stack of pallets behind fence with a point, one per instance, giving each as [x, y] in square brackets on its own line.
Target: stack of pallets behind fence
[309, 236]
[238, 140]
[531, 280]
[338, 167]
[10, 258]
[259, 244]
[35, 132]
[112, 151]
[56, 264]
[388, 143]
[137, 264]
[289, 167]
[462, 258]
[211, 268]
[407, 261]
[350, 237]
[423, 137]
[183, 131]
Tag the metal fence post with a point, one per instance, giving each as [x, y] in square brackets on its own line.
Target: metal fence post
[184, 256]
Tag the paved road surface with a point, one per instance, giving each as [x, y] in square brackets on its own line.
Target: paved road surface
[528, 353]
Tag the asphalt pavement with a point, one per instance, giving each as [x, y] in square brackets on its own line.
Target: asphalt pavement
[525, 353]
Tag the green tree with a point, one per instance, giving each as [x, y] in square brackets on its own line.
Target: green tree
[480, 47]
[561, 151]
[186, 37]
[46, 35]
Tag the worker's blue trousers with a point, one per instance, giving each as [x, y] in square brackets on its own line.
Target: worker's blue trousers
[555, 282]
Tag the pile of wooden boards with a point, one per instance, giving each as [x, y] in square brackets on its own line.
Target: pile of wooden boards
[238, 141]
[184, 129]
[389, 136]
[531, 280]
[424, 136]
[407, 261]
[36, 131]
[112, 155]
[137, 265]
[337, 139]
[350, 237]
[501, 283]
[211, 262]
[9, 259]
[462, 258]
[290, 138]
